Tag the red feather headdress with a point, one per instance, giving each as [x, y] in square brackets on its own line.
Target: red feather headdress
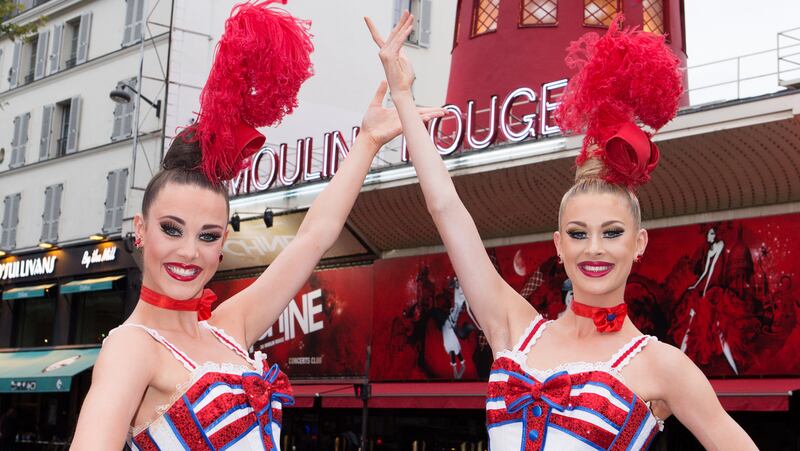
[261, 60]
[624, 77]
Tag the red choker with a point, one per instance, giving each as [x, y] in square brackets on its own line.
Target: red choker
[605, 319]
[202, 304]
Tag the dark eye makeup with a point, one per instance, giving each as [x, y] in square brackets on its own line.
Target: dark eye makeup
[174, 230]
[581, 235]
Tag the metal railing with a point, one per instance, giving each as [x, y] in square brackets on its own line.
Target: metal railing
[747, 75]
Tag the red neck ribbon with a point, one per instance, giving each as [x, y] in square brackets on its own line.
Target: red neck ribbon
[201, 304]
[605, 319]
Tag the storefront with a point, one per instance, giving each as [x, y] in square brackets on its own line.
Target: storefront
[383, 325]
[57, 307]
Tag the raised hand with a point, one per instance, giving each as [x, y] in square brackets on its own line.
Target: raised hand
[399, 71]
[381, 124]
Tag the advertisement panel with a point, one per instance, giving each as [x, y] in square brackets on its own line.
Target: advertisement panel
[726, 293]
[325, 330]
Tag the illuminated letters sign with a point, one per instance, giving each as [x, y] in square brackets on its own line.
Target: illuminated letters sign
[272, 165]
[108, 254]
[27, 268]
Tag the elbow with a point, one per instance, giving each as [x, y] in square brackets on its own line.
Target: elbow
[439, 208]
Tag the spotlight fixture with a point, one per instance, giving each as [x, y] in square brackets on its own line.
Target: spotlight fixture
[268, 217]
[98, 236]
[46, 245]
[3, 253]
[236, 222]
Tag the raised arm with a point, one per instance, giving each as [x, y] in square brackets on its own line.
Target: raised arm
[258, 306]
[498, 308]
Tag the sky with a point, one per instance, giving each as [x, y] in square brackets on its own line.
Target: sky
[720, 29]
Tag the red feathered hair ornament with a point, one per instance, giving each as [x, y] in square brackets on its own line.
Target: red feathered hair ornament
[261, 60]
[624, 77]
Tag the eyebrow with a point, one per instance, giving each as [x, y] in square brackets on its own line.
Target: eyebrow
[605, 224]
[183, 223]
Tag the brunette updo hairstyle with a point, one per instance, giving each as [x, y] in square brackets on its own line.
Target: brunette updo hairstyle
[589, 179]
[181, 165]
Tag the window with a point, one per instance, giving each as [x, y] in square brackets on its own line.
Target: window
[134, 22]
[484, 18]
[539, 12]
[123, 113]
[35, 321]
[115, 200]
[95, 313]
[51, 213]
[19, 141]
[10, 221]
[64, 110]
[73, 32]
[29, 59]
[653, 16]
[599, 13]
[421, 9]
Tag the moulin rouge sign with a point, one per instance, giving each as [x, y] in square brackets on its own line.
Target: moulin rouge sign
[270, 167]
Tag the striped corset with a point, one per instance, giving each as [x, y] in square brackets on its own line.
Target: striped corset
[578, 406]
[222, 406]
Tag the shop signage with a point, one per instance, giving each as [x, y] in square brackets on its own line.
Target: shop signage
[20, 269]
[23, 386]
[304, 315]
[108, 254]
[271, 165]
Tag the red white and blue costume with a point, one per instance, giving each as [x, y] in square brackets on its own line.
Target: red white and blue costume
[576, 406]
[222, 406]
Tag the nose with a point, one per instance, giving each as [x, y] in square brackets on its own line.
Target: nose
[188, 249]
[595, 245]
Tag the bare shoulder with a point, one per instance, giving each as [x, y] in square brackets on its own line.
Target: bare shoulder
[125, 348]
[668, 364]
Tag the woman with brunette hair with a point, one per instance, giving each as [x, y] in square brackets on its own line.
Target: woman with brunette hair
[173, 376]
[590, 379]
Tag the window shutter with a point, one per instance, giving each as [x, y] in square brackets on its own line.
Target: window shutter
[127, 35]
[74, 124]
[13, 74]
[56, 211]
[122, 185]
[14, 220]
[47, 131]
[8, 204]
[138, 24]
[128, 111]
[426, 7]
[22, 140]
[84, 31]
[14, 147]
[47, 213]
[111, 186]
[116, 131]
[55, 51]
[41, 54]
[398, 11]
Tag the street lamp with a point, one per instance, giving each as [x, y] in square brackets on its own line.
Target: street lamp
[122, 96]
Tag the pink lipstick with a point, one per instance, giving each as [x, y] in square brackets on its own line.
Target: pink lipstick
[595, 269]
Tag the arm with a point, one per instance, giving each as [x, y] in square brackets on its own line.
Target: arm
[492, 300]
[120, 377]
[258, 306]
[691, 398]
[705, 269]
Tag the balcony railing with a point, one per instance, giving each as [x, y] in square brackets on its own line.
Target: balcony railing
[61, 147]
[28, 78]
[70, 62]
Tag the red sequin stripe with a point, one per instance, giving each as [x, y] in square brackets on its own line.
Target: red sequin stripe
[495, 416]
[186, 427]
[649, 440]
[498, 389]
[233, 345]
[218, 407]
[601, 405]
[198, 388]
[531, 335]
[277, 415]
[628, 433]
[595, 434]
[628, 352]
[233, 430]
[604, 378]
[144, 442]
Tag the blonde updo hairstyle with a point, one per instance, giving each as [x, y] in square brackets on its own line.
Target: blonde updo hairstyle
[589, 180]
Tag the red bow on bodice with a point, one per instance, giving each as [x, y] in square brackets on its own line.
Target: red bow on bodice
[522, 391]
[261, 390]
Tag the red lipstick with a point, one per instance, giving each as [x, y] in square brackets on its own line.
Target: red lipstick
[182, 272]
[595, 268]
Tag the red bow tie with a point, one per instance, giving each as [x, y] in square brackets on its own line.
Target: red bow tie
[261, 390]
[202, 304]
[523, 391]
[605, 319]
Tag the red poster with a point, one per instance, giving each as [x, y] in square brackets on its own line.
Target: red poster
[325, 330]
[726, 293]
